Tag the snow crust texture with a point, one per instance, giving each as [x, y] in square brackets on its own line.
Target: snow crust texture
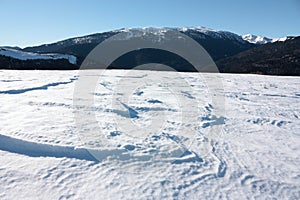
[44, 156]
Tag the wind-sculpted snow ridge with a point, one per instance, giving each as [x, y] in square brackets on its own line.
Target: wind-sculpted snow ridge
[44, 155]
[44, 87]
[33, 149]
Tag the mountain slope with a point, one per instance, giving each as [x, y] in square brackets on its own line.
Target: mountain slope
[219, 44]
[281, 58]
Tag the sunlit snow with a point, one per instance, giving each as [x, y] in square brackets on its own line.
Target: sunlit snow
[43, 153]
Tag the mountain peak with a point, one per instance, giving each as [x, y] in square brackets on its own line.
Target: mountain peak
[261, 39]
[256, 39]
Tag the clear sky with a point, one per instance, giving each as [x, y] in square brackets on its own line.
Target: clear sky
[33, 22]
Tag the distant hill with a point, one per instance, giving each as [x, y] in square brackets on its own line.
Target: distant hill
[14, 58]
[278, 58]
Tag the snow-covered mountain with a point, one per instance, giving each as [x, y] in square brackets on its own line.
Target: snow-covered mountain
[195, 32]
[98, 37]
[210, 39]
[23, 55]
[219, 44]
[256, 39]
[261, 39]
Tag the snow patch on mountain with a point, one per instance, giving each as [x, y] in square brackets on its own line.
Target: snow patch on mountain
[217, 34]
[282, 39]
[22, 55]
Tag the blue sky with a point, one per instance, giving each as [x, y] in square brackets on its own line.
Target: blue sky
[33, 22]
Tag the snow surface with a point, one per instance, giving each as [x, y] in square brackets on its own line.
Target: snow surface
[22, 55]
[255, 156]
